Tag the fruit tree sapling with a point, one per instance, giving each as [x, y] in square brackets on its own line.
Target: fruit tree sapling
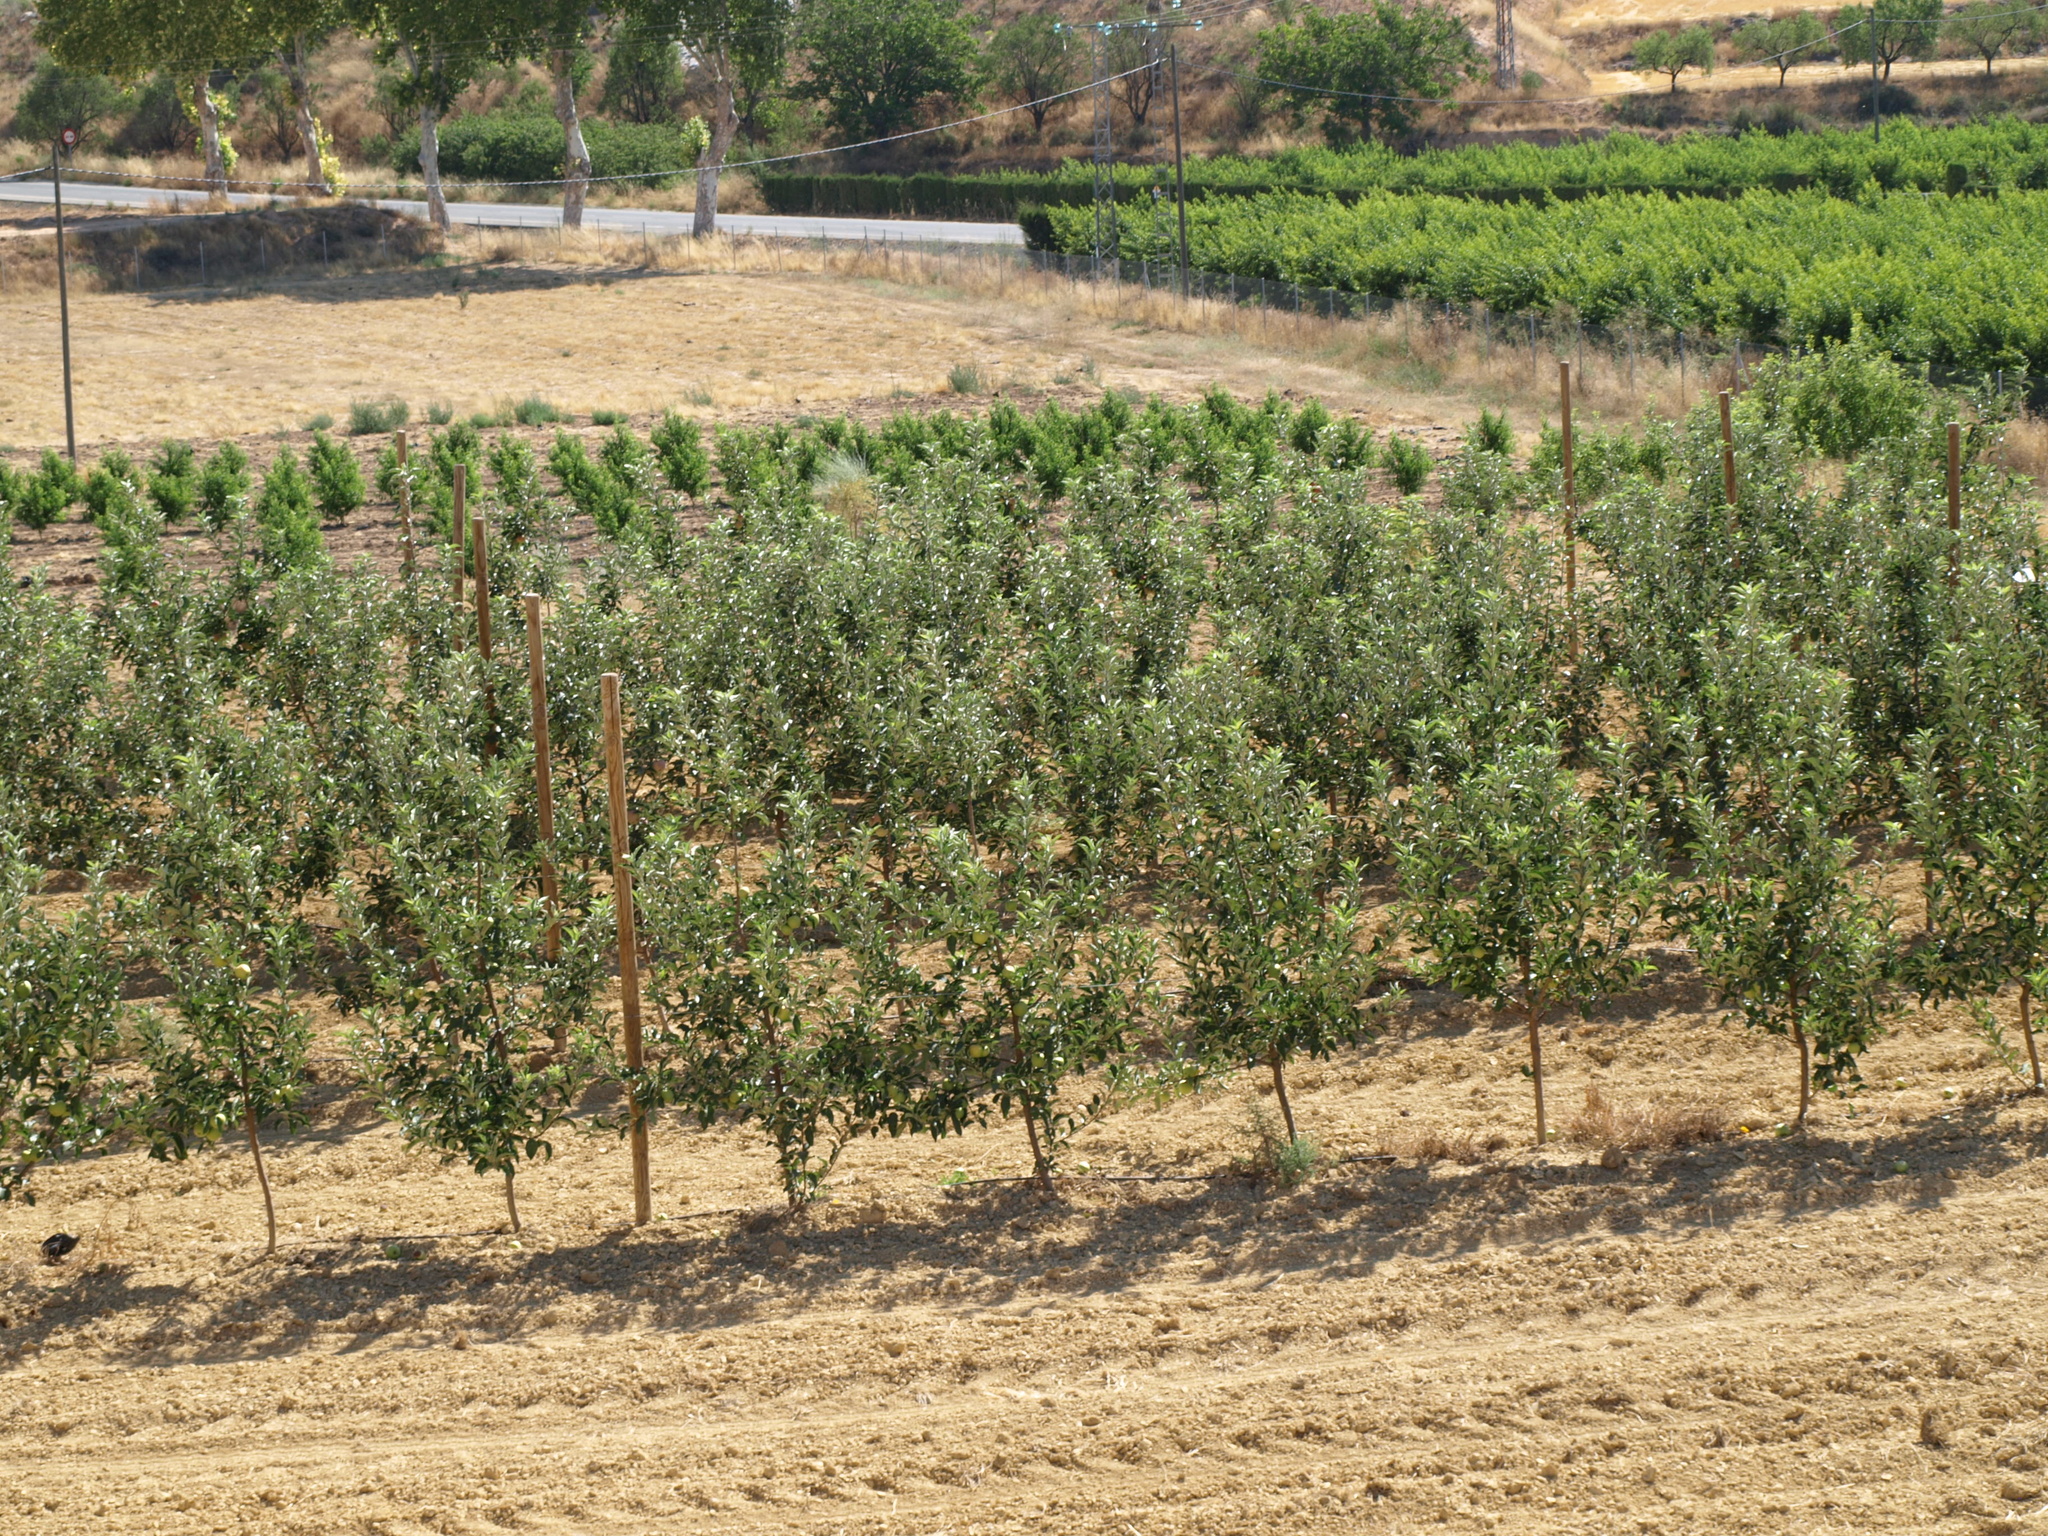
[1525, 890]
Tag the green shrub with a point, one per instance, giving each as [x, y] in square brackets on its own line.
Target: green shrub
[223, 486]
[1350, 446]
[592, 488]
[320, 422]
[1409, 463]
[111, 485]
[291, 533]
[174, 480]
[605, 418]
[337, 479]
[517, 145]
[388, 415]
[535, 412]
[679, 443]
[440, 412]
[1492, 434]
[40, 498]
[1306, 430]
[965, 379]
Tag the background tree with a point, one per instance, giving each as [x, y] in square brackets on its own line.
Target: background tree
[1990, 27]
[1031, 59]
[1672, 52]
[739, 47]
[431, 48]
[1895, 29]
[1135, 56]
[1525, 891]
[1389, 52]
[643, 79]
[58, 98]
[1781, 41]
[875, 63]
[556, 34]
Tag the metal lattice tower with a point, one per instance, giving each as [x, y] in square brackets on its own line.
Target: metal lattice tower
[1105, 150]
[1505, 73]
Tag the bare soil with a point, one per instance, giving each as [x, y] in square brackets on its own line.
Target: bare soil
[1830, 1331]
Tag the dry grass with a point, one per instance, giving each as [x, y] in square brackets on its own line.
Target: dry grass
[1644, 1127]
[2023, 448]
[1440, 1144]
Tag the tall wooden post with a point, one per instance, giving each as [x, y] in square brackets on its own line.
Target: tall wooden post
[461, 527]
[64, 296]
[481, 586]
[543, 770]
[1571, 511]
[1727, 452]
[629, 942]
[404, 500]
[1955, 502]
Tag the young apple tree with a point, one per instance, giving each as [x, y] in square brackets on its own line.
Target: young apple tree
[1526, 890]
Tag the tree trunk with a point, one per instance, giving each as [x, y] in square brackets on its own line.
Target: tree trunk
[262, 1177]
[430, 165]
[1535, 1049]
[2027, 1030]
[1805, 1058]
[725, 124]
[309, 127]
[575, 158]
[209, 138]
[1041, 1167]
[511, 1201]
[1280, 1092]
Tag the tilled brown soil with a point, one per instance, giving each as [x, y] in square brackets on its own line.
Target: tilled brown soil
[1833, 1331]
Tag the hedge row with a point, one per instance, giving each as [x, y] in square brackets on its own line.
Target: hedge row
[526, 146]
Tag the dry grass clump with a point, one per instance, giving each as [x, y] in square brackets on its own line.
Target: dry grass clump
[1456, 1145]
[2023, 447]
[1644, 1127]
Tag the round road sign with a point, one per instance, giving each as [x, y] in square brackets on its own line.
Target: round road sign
[68, 138]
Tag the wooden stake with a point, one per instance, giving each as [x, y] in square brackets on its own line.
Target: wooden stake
[1727, 452]
[482, 586]
[543, 780]
[461, 527]
[629, 943]
[1955, 502]
[1571, 509]
[404, 501]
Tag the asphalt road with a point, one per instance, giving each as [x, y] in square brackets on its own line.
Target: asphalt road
[545, 216]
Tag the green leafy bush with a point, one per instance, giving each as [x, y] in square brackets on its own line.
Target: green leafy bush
[337, 478]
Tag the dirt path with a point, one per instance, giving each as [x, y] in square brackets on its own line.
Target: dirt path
[1766, 1334]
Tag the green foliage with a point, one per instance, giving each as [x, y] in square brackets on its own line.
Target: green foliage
[337, 478]
[223, 488]
[60, 986]
[875, 67]
[1796, 38]
[1525, 891]
[1378, 65]
[1673, 51]
[58, 98]
[174, 481]
[535, 412]
[1939, 281]
[522, 146]
[1892, 29]
[110, 489]
[284, 513]
[1408, 464]
[596, 489]
[40, 499]
[1030, 60]
[643, 80]
[1990, 27]
[367, 416]
[679, 444]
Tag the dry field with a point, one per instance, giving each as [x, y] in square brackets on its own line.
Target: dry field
[1829, 1332]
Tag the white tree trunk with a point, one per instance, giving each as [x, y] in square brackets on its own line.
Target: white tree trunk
[576, 161]
[725, 123]
[309, 128]
[430, 164]
[209, 138]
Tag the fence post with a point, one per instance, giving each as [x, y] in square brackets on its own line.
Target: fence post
[629, 942]
[1727, 452]
[404, 501]
[461, 516]
[544, 788]
[1571, 503]
[1955, 502]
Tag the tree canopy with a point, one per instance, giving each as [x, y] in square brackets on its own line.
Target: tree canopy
[1369, 73]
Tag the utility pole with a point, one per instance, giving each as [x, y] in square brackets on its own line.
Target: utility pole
[1505, 75]
[1876, 127]
[67, 138]
[1180, 189]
